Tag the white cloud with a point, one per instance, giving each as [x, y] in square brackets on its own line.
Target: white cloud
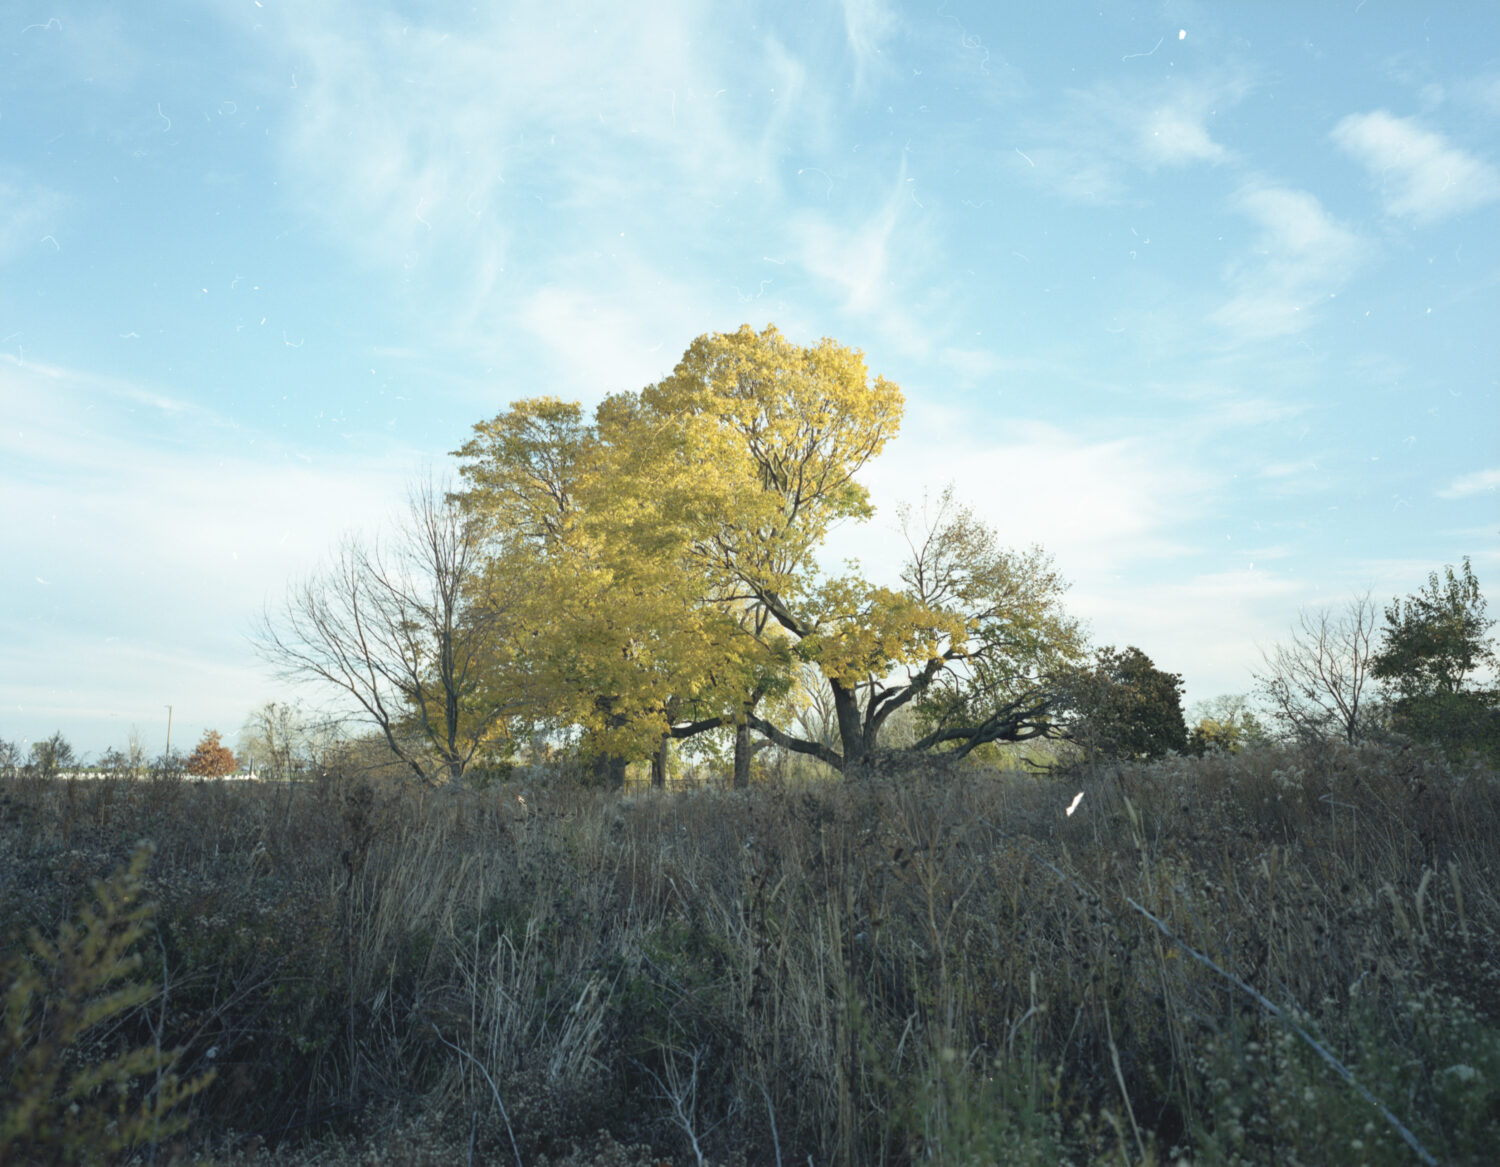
[1301, 257]
[1112, 512]
[1419, 173]
[1087, 153]
[143, 534]
[602, 343]
[451, 153]
[1176, 136]
[868, 24]
[1480, 482]
[1098, 506]
[1214, 625]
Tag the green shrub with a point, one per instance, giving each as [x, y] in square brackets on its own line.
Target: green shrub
[64, 1097]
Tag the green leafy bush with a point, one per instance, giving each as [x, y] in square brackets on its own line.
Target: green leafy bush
[64, 1096]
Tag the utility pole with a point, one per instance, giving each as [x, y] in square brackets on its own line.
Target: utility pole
[169, 733]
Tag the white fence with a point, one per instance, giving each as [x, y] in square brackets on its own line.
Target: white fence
[81, 775]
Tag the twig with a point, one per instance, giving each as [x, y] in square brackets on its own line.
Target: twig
[684, 1100]
[1270, 1007]
[771, 1111]
[495, 1090]
[1114, 1054]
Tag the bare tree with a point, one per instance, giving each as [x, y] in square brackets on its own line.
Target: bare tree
[1315, 683]
[282, 740]
[406, 632]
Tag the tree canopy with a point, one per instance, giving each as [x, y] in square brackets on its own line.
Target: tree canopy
[660, 565]
[1122, 706]
[1434, 646]
[211, 758]
[1435, 640]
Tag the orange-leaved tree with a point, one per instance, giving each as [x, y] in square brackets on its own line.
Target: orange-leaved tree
[211, 758]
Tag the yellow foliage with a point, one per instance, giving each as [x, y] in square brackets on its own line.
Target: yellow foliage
[646, 542]
[667, 552]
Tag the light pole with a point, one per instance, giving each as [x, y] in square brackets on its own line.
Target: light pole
[169, 733]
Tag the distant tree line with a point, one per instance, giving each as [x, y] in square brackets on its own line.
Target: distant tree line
[55, 757]
[1427, 674]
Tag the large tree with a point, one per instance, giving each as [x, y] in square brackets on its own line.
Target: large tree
[786, 429]
[673, 585]
[1123, 707]
[400, 629]
[626, 634]
[1434, 645]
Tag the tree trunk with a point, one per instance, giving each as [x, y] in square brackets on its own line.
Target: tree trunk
[852, 743]
[609, 769]
[742, 753]
[659, 761]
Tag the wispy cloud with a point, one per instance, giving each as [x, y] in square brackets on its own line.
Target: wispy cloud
[1175, 135]
[867, 26]
[1480, 482]
[28, 212]
[1088, 152]
[442, 152]
[872, 263]
[1419, 173]
[600, 343]
[857, 260]
[1300, 257]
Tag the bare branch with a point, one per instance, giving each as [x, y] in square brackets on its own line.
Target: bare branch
[402, 632]
[1315, 683]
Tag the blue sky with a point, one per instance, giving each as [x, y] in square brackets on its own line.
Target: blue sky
[1202, 298]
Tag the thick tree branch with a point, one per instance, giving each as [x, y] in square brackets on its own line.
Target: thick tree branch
[1021, 720]
[796, 744]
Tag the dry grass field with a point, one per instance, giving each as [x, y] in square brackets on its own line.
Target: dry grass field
[928, 967]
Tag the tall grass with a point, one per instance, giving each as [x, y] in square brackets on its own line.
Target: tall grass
[935, 967]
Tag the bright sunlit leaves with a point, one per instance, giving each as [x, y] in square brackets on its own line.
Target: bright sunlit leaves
[661, 560]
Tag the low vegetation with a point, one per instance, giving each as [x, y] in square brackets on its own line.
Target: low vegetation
[924, 966]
